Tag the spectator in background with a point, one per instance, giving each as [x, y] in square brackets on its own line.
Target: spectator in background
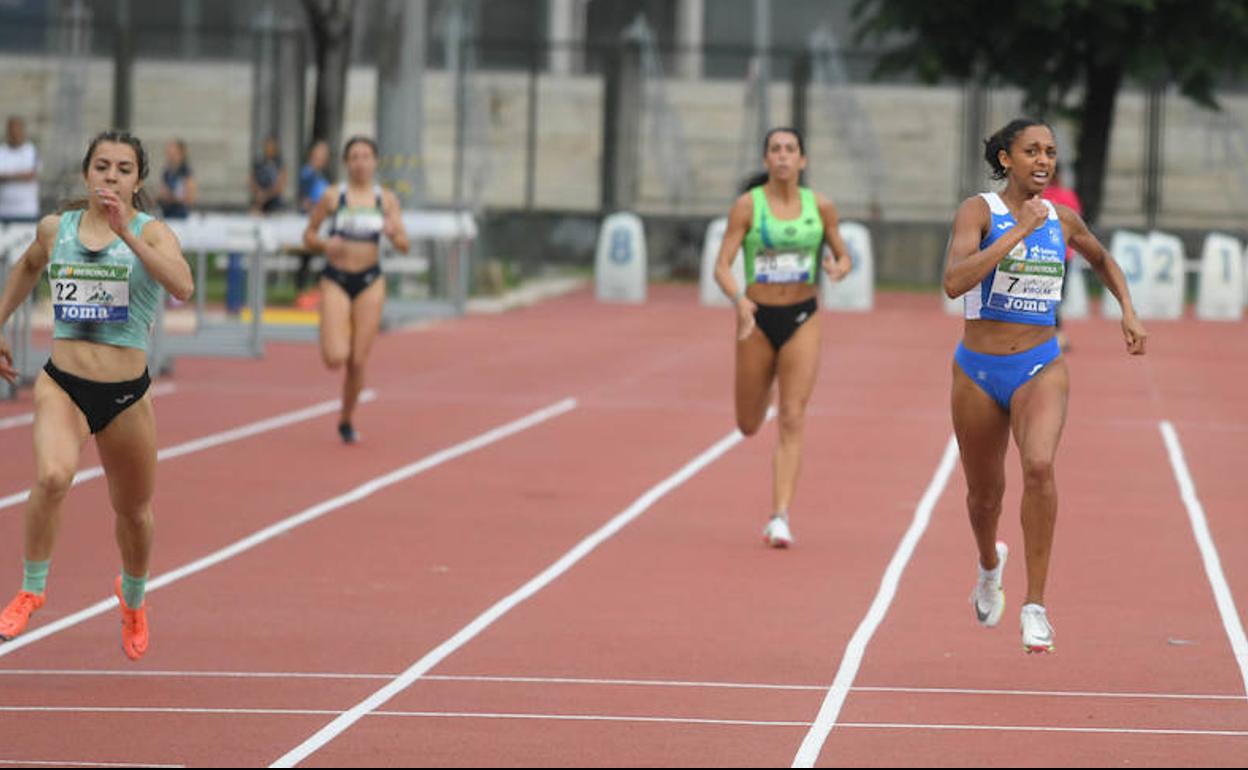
[177, 183]
[1058, 193]
[312, 185]
[19, 175]
[312, 180]
[268, 179]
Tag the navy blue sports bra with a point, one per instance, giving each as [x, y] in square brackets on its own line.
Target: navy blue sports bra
[358, 223]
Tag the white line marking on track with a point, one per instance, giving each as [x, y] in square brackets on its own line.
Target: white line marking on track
[1051, 693]
[603, 682]
[187, 674]
[620, 718]
[214, 440]
[592, 718]
[47, 763]
[18, 420]
[812, 744]
[1048, 729]
[425, 714]
[1208, 551]
[505, 605]
[161, 710]
[315, 512]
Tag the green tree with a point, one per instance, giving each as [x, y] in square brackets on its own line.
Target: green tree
[1069, 57]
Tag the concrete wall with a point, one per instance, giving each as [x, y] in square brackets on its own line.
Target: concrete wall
[918, 130]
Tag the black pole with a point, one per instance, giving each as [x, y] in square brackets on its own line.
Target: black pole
[123, 67]
[530, 150]
[800, 96]
[1153, 159]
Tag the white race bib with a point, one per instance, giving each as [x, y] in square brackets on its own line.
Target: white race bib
[1027, 285]
[781, 267]
[94, 293]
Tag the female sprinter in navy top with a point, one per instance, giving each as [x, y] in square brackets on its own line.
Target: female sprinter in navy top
[1007, 254]
[353, 290]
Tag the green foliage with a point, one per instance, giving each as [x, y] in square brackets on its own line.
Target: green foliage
[1046, 47]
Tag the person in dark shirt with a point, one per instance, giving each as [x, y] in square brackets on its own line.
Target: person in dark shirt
[177, 182]
[268, 179]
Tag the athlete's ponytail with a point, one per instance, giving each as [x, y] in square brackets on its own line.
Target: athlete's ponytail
[754, 180]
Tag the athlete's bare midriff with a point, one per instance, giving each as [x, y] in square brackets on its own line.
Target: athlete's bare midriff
[356, 256]
[98, 362]
[780, 293]
[1003, 338]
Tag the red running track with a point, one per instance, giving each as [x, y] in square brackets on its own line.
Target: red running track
[680, 639]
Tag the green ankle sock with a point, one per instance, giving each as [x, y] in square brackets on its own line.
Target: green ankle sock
[35, 576]
[133, 589]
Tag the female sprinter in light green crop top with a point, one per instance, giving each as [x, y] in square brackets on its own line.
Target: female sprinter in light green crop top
[106, 264]
[782, 227]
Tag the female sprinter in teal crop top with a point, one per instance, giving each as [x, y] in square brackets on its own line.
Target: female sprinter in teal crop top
[106, 265]
[782, 227]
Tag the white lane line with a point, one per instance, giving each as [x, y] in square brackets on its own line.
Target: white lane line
[1048, 729]
[812, 744]
[869, 725]
[53, 672]
[47, 763]
[214, 440]
[591, 718]
[1208, 551]
[162, 710]
[600, 682]
[503, 606]
[423, 714]
[619, 718]
[285, 525]
[18, 420]
[1052, 693]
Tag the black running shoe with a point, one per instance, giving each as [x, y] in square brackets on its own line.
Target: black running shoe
[349, 436]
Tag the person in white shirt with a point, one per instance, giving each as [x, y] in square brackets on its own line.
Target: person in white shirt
[19, 175]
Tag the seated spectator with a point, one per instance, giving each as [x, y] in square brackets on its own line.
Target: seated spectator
[177, 183]
[268, 179]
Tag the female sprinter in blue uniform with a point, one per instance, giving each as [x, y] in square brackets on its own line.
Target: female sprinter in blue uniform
[106, 265]
[353, 289]
[1007, 255]
[782, 227]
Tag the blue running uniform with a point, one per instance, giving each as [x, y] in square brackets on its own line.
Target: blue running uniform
[1025, 288]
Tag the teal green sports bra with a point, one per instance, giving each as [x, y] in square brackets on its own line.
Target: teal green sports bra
[104, 296]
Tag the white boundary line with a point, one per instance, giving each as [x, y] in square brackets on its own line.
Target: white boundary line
[161, 710]
[602, 682]
[812, 744]
[503, 606]
[1052, 693]
[315, 512]
[18, 420]
[618, 718]
[213, 440]
[591, 718]
[47, 763]
[1208, 551]
[1045, 729]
